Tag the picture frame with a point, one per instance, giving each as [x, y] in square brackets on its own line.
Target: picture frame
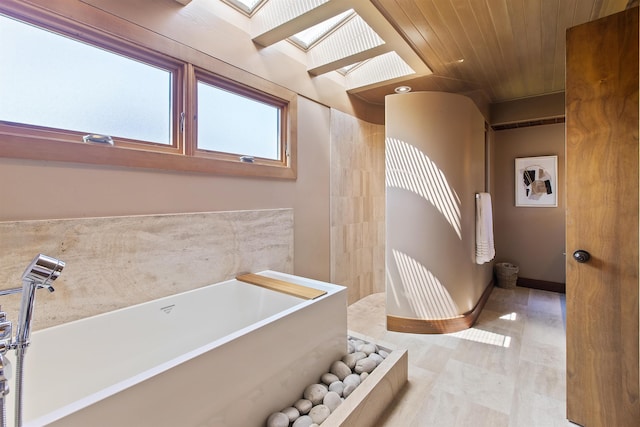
[536, 181]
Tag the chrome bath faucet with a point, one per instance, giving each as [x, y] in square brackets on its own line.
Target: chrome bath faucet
[39, 274]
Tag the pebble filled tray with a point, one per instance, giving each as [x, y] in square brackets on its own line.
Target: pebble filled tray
[354, 391]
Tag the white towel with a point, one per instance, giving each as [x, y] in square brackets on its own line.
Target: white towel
[485, 251]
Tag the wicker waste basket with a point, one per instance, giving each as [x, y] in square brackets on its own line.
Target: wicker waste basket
[507, 274]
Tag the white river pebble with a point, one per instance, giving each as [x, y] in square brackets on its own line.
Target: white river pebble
[332, 400]
[329, 378]
[353, 379]
[367, 348]
[291, 412]
[319, 413]
[351, 359]
[357, 343]
[303, 421]
[365, 365]
[348, 390]
[315, 393]
[337, 386]
[350, 347]
[376, 358]
[321, 399]
[278, 419]
[339, 369]
[303, 405]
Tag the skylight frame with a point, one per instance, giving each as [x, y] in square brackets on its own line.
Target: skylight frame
[340, 46]
[349, 68]
[332, 25]
[247, 7]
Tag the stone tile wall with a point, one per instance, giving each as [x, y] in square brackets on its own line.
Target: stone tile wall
[357, 205]
[115, 262]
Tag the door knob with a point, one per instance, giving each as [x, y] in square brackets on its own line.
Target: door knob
[581, 256]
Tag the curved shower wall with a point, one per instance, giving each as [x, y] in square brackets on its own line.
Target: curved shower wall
[435, 164]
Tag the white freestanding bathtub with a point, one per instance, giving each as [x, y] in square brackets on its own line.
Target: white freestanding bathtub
[225, 355]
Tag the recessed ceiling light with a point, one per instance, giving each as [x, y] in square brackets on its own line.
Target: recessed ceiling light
[402, 89]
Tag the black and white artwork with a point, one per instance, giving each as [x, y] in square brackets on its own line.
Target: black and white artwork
[536, 181]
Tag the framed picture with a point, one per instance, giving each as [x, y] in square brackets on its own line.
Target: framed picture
[537, 181]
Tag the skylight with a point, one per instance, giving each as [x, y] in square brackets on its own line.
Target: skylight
[346, 70]
[305, 39]
[367, 52]
[247, 6]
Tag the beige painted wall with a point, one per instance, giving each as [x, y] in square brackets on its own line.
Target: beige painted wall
[435, 153]
[532, 238]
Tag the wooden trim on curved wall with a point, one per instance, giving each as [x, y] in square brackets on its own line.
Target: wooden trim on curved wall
[440, 326]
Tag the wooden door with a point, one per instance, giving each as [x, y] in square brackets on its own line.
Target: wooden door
[602, 218]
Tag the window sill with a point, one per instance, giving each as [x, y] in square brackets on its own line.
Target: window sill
[20, 147]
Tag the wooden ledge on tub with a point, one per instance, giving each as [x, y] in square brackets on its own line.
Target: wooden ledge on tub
[289, 288]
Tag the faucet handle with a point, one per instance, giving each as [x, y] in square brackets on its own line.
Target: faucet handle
[5, 331]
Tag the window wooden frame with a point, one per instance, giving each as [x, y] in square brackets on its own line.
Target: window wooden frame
[250, 93]
[40, 143]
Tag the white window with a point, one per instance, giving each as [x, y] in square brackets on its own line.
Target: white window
[49, 80]
[235, 124]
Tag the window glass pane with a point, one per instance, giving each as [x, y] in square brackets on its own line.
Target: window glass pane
[53, 81]
[232, 123]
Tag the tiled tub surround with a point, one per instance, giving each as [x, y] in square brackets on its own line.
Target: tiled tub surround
[116, 262]
[357, 205]
[227, 354]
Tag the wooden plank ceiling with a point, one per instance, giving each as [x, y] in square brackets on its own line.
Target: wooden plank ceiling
[490, 50]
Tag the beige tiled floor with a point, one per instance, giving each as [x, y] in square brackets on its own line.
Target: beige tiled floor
[508, 370]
